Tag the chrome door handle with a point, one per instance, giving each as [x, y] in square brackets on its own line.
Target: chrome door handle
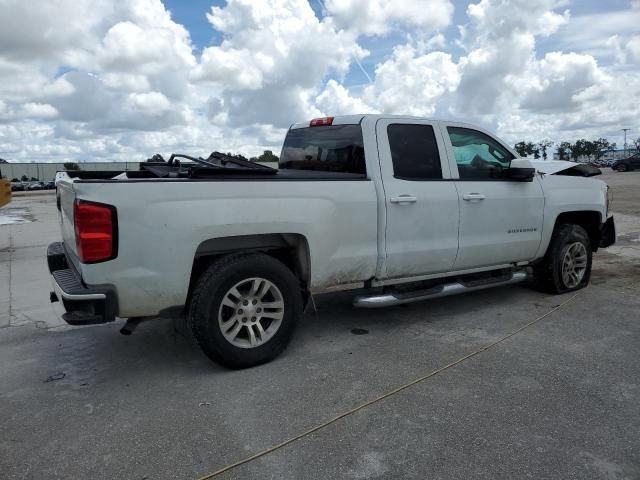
[402, 199]
[473, 196]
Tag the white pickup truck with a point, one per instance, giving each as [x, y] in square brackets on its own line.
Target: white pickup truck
[396, 208]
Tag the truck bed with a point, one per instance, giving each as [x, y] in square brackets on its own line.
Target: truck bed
[107, 176]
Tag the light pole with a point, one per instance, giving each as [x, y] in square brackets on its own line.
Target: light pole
[625, 130]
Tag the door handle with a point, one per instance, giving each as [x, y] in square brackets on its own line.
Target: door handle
[473, 196]
[404, 199]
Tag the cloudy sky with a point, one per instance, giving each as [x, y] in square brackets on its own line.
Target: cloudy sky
[114, 79]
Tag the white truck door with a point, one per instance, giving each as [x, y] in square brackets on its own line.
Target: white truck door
[420, 198]
[500, 219]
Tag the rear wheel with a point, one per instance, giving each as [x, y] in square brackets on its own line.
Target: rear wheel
[567, 265]
[621, 168]
[244, 310]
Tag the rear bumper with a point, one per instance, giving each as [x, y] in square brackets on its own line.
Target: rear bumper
[84, 305]
[607, 233]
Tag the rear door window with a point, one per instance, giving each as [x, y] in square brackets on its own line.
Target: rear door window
[333, 148]
[414, 152]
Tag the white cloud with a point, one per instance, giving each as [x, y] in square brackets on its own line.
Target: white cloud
[51, 30]
[633, 48]
[272, 61]
[410, 83]
[108, 79]
[378, 17]
[335, 99]
[38, 110]
[152, 102]
[500, 40]
[560, 82]
[60, 87]
[233, 69]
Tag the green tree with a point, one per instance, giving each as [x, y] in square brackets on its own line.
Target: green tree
[564, 150]
[237, 155]
[589, 148]
[268, 156]
[521, 148]
[601, 146]
[71, 166]
[535, 148]
[578, 149]
[24, 178]
[544, 145]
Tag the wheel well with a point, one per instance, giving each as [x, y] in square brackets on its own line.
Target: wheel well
[589, 220]
[290, 248]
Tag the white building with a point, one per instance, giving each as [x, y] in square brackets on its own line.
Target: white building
[46, 172]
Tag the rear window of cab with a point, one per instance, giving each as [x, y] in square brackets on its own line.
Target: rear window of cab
[332, 148]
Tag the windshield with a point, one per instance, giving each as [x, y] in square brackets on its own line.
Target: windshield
[334, 148]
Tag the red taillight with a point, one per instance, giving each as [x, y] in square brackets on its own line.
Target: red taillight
[321, 122]
[95, 225]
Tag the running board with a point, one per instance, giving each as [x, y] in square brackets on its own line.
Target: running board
[446, 290]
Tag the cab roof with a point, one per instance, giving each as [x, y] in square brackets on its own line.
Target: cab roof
[356, 119]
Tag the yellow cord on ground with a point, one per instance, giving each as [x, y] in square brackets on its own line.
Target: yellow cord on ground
[383, 396]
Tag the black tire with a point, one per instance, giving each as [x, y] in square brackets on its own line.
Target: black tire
[211, 289]
[621, 168]
[548, 274]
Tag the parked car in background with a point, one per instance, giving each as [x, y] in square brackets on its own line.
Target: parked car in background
[50, 185]
[627, 164]
[17, 187]
[36, 186]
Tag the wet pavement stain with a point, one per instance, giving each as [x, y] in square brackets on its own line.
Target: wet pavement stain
[359, 331]
[15, 216]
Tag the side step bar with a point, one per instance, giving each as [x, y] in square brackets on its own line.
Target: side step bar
[448, 289]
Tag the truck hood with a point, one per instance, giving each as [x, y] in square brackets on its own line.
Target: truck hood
[551, 167]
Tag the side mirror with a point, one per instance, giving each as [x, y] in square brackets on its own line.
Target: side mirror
[518, 174]
[520, 170]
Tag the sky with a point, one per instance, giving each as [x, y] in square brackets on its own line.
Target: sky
[101, 80]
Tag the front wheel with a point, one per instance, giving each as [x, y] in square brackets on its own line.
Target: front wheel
[244, 310]
[621, 168]
[567, 265]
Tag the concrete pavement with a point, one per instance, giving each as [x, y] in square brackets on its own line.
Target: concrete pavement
[559, 399]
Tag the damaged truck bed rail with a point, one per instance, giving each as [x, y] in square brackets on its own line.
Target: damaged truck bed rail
[214, 165]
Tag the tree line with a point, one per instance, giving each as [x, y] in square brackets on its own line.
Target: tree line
[592, 149]
[267, 156]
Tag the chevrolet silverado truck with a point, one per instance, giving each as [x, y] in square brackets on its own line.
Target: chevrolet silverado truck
[396, 209]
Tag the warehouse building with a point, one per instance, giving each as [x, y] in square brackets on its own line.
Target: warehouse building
[46, 172]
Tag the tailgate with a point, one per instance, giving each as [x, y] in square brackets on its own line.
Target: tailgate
[66, 197]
